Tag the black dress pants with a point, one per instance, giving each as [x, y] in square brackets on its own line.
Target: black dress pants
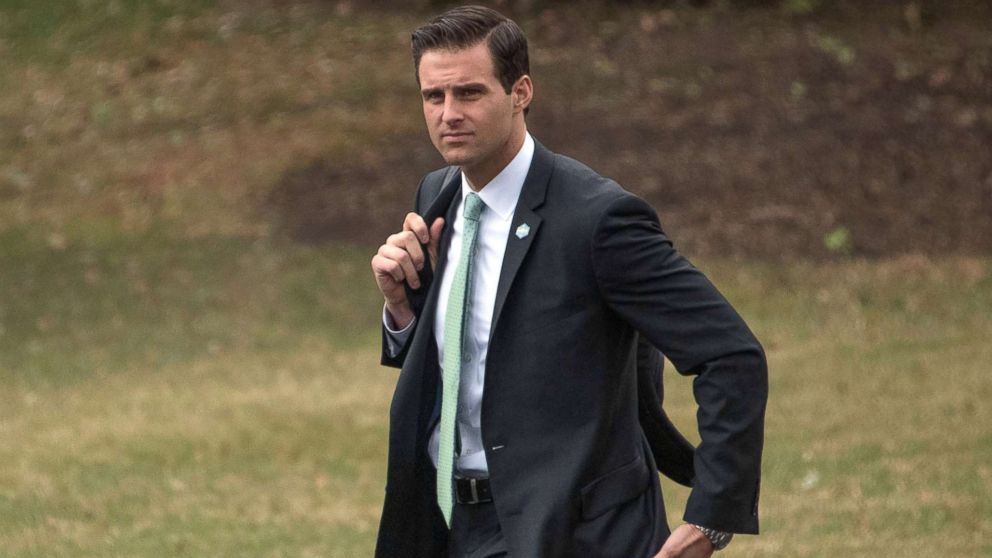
[475, 532]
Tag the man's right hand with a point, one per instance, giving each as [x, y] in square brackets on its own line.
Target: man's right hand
[398, 261]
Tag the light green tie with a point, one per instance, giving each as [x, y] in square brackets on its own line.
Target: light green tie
[454, 335]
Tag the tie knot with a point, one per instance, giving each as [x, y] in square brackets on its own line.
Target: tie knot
[473, 206]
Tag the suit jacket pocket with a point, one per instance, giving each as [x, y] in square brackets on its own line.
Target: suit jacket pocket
[614, 488]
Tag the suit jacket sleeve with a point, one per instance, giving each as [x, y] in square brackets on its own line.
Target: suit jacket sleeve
[658, 292]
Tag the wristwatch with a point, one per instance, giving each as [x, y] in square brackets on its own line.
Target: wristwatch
[719, 539]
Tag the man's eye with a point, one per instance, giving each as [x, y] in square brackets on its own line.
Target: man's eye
[434, 97]
[471, 93]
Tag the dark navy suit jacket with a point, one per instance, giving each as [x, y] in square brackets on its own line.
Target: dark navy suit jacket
[571, 470]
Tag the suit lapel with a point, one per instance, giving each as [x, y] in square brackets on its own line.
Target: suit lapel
[441, 205]
[517, 245]
[446, 204]
[442, 202]
[423, 342]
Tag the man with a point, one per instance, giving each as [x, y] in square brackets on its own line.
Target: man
[514, 427]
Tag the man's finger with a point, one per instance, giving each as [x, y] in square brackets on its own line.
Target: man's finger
[387, 270]
[407, 270]
[415, 223]
[408, 241]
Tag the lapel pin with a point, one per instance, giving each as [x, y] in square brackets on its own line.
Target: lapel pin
[522, 231]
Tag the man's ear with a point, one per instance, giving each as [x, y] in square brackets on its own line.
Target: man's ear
[523, 92]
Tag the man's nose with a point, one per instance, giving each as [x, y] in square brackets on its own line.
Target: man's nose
[452, 111]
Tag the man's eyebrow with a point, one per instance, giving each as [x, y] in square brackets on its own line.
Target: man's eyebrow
[457, 87]
[470, 85]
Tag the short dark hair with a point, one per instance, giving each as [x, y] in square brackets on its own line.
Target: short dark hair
[468, 26]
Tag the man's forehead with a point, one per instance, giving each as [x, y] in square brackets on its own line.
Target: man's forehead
[464, 64]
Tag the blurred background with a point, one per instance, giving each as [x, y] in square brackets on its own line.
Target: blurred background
[191, 192]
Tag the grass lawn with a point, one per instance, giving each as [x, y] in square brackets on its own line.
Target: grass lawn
[222, 397]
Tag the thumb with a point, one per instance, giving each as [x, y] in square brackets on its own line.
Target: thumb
[432, 248]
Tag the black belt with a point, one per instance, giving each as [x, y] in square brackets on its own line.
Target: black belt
[472, 491]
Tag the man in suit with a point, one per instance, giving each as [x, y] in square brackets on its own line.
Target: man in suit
[514, 298]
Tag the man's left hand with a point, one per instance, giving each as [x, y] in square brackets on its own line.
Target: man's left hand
[686, 542]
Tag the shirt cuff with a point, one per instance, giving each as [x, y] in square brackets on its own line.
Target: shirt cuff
[395, 338]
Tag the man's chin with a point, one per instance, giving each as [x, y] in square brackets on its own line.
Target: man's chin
[456, 157]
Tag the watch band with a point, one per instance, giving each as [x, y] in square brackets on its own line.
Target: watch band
[719, 539]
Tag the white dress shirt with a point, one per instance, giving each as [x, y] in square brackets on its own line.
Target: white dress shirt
[500, 197]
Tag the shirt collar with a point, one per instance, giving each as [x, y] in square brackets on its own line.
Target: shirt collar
[501, 193]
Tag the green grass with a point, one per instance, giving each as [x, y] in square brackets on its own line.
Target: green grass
[221, 396]
[54, 32]
[160, 303]
[187, 111]
[878, 436]
[168, 397]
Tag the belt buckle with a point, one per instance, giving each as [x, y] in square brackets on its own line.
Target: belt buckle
[473, 488]
[467, 490]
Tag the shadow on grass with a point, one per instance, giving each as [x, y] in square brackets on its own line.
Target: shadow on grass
[105, 301]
